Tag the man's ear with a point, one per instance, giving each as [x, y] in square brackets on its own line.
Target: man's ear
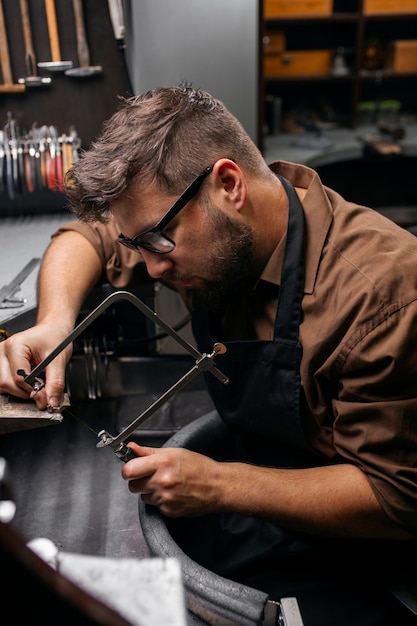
[230, 181]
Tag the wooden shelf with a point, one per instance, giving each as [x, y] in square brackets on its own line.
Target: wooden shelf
[334, 17]
[348, 33]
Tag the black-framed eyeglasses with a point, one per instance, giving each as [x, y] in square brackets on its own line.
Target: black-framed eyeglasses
[154, 239]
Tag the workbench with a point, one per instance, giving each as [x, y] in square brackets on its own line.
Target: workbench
[344, 144]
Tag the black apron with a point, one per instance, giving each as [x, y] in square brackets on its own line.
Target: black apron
[261, 405]
[263, 396]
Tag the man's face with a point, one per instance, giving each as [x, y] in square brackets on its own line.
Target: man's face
[227, 261]
[214, 253]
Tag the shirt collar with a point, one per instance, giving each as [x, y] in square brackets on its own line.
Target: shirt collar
[318, 217]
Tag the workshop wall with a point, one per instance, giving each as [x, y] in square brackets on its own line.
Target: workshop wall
[67, 103]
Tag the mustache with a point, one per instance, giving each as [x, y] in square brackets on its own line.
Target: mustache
[172, 276]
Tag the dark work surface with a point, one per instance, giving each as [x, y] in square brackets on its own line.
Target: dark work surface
[71, 492]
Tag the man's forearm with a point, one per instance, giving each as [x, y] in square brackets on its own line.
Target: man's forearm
[330, 501]
[70, 268]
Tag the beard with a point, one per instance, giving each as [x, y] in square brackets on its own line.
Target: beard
[231, 261]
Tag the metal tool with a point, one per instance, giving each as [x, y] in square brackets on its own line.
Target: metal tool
[7, 300]
[8, 170]
[10, 133]
[203, 363]
[56, 65]
[117, 20]
[2, 160]
[31, 79]
[117, 443]
[8, 86]
[119, 30]
[85, 70]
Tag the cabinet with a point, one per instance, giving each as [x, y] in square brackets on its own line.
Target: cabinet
[340, 63]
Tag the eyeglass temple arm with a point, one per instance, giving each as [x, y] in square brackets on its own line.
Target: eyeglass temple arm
[186, 196]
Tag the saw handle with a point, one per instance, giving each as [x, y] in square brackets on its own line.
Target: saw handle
[125, 454]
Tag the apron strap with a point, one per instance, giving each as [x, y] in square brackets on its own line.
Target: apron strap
[291, 291]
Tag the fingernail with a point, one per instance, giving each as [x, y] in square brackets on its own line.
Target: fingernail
[53, 402]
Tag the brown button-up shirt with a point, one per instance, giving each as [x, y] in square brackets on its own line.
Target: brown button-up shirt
[358, 334]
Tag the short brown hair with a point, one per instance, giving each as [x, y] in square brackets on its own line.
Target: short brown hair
[167, 135]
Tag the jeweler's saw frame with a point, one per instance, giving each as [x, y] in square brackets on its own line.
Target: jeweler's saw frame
[203, 363]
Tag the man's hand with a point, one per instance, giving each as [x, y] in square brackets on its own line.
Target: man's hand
[25, 350]
[178, 481]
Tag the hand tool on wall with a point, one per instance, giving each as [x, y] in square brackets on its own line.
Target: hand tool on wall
[117, 20]
[2, 163]
[7, 292]
[56, 65]
[29, 165]
[85, 70]
[8, 86]
[54, 170]
[8, 167]
[11, 135]
[31, 79]
[119, 30]
[203, 363]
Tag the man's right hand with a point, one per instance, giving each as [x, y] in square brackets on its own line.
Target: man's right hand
[25, 350]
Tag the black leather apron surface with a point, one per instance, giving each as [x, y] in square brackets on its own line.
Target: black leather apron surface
[261, 405]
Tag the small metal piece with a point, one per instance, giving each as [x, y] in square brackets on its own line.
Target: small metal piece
[219, 348]
[121, 450]
[53, 409]
[35, 81]
[283, 613]
[104, 436]
[290, 612]
[37, 383]
[125, 453]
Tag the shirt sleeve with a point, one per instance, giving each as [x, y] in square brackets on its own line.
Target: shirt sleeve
[121, 267]
[375, 411]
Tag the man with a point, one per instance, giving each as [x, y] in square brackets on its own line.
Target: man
[316, 301]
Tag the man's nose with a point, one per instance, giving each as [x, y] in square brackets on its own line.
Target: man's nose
[157, 264]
